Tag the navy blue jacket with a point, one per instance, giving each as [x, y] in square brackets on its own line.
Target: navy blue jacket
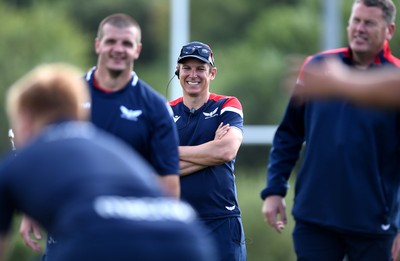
[99, 197]
[141, 117]
[349, 178]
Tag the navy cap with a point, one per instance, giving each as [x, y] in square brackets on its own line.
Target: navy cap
[197, 50]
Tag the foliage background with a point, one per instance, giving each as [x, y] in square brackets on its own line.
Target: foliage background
[254, 43]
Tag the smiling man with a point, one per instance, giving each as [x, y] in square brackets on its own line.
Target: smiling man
[346, 196]
[124, 105]
[210, 130]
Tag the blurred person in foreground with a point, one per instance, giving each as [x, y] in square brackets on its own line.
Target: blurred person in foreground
[210, 128]
[99, 197]
[124, 105]
[346, 191]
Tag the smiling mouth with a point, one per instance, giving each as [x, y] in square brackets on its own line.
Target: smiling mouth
[359, 38]
[117, 60]
[193, 83]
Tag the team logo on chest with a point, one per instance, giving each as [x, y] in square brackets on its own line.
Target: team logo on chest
[176, 118]
[211, 114]
[131, 115]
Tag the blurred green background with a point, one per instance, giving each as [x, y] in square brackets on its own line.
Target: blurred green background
[254, 43]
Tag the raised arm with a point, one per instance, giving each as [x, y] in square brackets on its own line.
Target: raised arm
[380, 87]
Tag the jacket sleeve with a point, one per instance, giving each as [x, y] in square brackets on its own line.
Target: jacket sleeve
[285, 151]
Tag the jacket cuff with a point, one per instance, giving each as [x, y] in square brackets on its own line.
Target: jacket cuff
[272, 191]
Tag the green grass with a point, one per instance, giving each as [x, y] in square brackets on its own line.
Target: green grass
[262, 242]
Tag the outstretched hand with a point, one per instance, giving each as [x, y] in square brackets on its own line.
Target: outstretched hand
[324, 79]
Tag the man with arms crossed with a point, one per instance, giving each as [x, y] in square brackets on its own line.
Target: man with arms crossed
[210, 132]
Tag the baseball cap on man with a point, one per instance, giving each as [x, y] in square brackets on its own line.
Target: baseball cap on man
[197, 50]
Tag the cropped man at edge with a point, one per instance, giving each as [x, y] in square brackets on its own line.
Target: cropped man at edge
[210, 129]
[346, 191]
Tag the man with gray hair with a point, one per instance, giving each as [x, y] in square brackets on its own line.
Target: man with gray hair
[346, 196]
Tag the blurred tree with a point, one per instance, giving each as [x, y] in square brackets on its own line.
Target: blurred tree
[29, 37]
[150, 14]
[273, 30]
[253, 67]
[19, 3]
[253, 77]
[153, 17]
[227, 20]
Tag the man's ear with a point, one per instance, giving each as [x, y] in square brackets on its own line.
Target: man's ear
[213, 72]
[390, 31]
[177, 71]
[96, 45]
[138, 51]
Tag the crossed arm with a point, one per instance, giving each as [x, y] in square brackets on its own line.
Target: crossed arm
[222, 149]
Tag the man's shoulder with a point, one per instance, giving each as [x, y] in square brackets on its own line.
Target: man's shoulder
[339, 52]
[226, 101]
[147, 91]
[176, 101]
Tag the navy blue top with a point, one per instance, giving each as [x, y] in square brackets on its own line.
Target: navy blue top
[350, 174]
[211, 191]
[139, 116]
[99, 197]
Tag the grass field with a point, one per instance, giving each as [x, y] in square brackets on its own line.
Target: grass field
[263, 243]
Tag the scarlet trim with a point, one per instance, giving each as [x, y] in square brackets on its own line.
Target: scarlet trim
[176, 101]
[344, 50]
[387, 54]
[97, 86]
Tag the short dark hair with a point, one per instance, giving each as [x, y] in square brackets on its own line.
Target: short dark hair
[387, 6]
[119, 20]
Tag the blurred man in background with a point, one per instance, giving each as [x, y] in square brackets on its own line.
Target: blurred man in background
[346, 190]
